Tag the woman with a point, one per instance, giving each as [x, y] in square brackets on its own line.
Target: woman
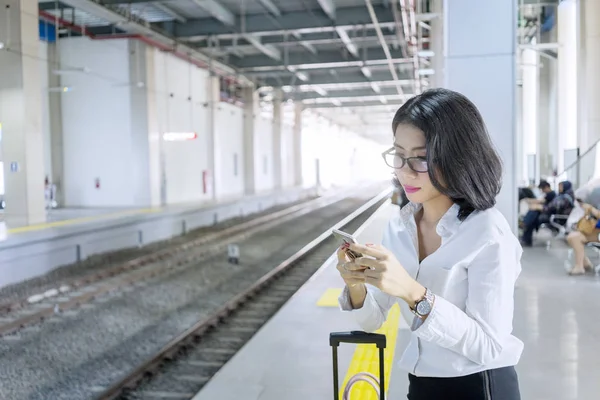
[449, 258]
[577, 240]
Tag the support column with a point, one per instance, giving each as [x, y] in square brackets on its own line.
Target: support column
[548, 111]
[251, 111]
[55, 115]
[530, 78]
[21, 113]
[277, 132]
[589, 123]
[297, 144]
[437, 44]
[567, 81]
[213, 98]
[474, 54]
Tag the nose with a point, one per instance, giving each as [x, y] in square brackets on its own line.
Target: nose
[407, 172]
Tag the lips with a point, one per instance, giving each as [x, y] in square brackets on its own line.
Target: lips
[411, 189]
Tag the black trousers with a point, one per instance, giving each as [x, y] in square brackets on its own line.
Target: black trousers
[493, 384]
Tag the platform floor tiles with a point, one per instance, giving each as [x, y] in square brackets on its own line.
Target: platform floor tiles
[290, 358]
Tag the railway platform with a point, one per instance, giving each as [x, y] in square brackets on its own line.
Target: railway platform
[290, 356]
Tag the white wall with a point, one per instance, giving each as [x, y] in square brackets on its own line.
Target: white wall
[287, 154]
[229, 130]
[181, 96]
[263, 163]
[96, 117]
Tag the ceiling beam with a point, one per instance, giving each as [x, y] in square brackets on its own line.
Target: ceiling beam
[217, 10]
[371, 103]
[176, 16]
[328, 7]
[296, 20]
[325, 59]
[339, 93]
[268, 49]
[353, 80]
[268, 4]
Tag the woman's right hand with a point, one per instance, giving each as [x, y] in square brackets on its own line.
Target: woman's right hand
[351, 273]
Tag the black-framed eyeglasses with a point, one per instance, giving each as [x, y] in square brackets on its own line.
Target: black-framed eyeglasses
[396, 161]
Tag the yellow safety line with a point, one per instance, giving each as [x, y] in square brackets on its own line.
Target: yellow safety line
[366, 359]
[73, 221]
[330, 298]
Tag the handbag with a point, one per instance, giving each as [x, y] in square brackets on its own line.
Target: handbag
[587, 224]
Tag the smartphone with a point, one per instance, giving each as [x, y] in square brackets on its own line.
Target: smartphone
[347, 238]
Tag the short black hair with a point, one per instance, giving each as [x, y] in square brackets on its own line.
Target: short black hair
[543, 184]
[463, 163]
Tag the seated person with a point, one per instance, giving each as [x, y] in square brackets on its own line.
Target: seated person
[540, 213]
[577, 241]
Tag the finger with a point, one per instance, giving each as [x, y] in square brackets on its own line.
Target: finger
[372, 281]
[355, 266]
[380, 253]
[359, 275]
[368, 262]
[373, 274]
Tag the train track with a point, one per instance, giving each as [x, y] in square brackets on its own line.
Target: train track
[183, 366]
[75, 292]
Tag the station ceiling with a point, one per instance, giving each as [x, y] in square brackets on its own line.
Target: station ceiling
[351, 59]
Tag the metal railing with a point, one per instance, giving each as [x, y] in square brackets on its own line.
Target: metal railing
[581, 170]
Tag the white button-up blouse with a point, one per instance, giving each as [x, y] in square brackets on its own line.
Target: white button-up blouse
[472, 276]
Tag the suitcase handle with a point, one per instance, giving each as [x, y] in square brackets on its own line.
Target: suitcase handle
[335, 338]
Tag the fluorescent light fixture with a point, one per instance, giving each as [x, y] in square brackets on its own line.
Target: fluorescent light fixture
[320, 90]
[179, 136]
[425, 53]
[336, 102]
[1, 45]
[302, 76]
[426, 71]
[383, 99]
[366, 71]
[286, 88]
[60, 89]
[375, 87]
[64, 71]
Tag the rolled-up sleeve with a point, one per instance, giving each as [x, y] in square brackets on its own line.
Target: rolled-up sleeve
[374, 311]
[480, 331]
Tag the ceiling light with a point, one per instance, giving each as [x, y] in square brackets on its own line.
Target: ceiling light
[336, 102]
[302, 76]
[179, 136]
[383, 99]
[375, 87]
[286, 88]
[426, 71]
[320, 90]
[366, 71]
[425, 53]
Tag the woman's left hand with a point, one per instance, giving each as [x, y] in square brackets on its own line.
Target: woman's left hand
[386, 273]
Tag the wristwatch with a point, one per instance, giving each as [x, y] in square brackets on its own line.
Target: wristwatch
[424, 305]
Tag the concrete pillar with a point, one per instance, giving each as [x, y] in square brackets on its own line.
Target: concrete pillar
[529, 106]
[277, 142]
[567, 80]
[55, 115]
[297, 144]
[437, 44]
[21, 113]
[251, 111]
[548, 110]
[589, 97]
[213, 98]
[473, 54]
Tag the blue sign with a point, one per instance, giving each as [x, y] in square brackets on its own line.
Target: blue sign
[14, 166]
[47, 31]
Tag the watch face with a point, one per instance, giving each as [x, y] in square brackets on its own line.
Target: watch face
[423, 307]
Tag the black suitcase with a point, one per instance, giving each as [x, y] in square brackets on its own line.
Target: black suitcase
[335, 338]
